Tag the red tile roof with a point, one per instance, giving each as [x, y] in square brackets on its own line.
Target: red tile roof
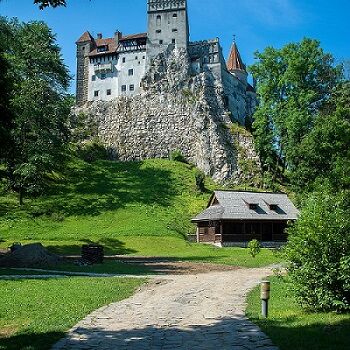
[85, 37]
[134, 36]
[111, 44]
[235, 61]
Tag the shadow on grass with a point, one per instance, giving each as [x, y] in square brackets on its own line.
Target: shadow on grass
[111, 247]
[91, 189]
[287, 335]
[32, 341]
[223, 334]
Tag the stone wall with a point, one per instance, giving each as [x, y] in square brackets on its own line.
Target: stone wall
[175, 111]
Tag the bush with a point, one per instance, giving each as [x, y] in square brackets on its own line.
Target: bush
[318, 253]
[200, 181]
[254, 248]
[91, 151]
[177, 156]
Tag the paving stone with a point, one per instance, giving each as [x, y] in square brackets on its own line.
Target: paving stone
[194, 312]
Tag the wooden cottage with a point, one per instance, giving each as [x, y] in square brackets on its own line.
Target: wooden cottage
[237, 217]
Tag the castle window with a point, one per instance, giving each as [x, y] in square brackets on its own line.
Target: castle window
[93, 78]
[160, 42]
[109, 92]
[136, 57]
[123, 59]
[103, 48]
[174, 15]
[131, 87]
[159, 20]
[103, 76]
[96, 93]
[131, 72]
[158, 31]
[174, 30]
[123, 88]
[173, 41]
[143, 57]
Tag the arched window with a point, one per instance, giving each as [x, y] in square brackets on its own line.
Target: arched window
[159, 20]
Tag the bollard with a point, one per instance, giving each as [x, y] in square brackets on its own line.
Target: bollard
[265, 296]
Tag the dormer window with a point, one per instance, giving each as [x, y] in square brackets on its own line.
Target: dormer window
[273, 207]
[251, 205]
[102, 48]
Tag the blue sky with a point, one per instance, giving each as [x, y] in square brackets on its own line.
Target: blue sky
[256, 23]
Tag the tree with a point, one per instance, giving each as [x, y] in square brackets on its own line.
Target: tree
[318, 251]
[5, 88]
[39, 105]
[293, 84]
[46, 3]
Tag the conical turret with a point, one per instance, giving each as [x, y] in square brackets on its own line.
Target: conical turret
[235, 64]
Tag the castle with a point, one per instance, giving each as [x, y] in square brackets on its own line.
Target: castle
[157, 92]
[111, 67]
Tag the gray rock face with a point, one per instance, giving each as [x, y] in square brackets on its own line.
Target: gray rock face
[175, 111]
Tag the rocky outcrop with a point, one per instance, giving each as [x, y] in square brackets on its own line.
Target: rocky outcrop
[175, 111]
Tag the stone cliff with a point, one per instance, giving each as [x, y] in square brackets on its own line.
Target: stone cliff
[176, 110]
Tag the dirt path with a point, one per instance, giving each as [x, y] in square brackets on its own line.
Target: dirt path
[203, 311]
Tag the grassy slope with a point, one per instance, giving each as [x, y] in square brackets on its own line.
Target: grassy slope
[123, 206]
[291, 328]
[34, 314]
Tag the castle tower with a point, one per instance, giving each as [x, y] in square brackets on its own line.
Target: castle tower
[84, 46]
[167, 25]
[235, 64]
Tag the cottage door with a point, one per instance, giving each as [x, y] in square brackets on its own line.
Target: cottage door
[267, 231]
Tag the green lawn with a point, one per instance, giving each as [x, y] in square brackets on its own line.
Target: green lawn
[292, 328]
[108, 267]
[138, 208]
[34, 314]
[106, 200]
[170, 247]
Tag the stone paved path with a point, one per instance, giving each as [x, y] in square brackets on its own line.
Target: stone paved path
[204, 311]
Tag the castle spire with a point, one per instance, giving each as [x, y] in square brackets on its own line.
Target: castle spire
[235, 61]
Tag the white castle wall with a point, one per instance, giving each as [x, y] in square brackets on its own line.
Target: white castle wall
[118, 77]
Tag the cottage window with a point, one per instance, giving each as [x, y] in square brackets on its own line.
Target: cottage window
[96, 93]
[123, 88]
[109, 92]
[131, 72]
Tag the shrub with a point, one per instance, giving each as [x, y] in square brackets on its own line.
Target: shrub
[318, 252]
[91, 151]
[177, 156]
[200, 181]
[254, 248]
